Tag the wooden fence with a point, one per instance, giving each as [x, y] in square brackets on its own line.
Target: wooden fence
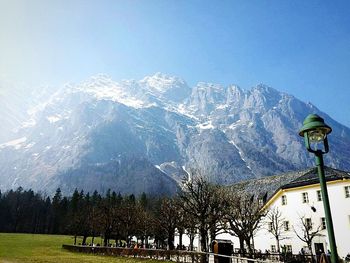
[183, 255]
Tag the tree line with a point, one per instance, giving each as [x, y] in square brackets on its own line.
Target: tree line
[198, 209]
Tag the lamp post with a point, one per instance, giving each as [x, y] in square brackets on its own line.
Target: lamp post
[315, 132]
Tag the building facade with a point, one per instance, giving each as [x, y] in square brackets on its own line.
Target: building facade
[301, 212]
[297, 200]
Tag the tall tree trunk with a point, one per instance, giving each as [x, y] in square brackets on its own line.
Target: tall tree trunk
[180, 238]
[191, 241]
[278, 245]
[116, 241]
[312, 254]
[203, 237]
[106, 239]
[146, 241]
[241, 246]
[253, 245]
[212, 234]
[250, 251]
[171, 240]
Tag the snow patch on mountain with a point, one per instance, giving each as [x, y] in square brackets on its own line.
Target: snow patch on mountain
[16, 144]
[161, 83]
[28, 123]
[182, 109]
[29, 145]
[106, 89]
[240, 154]
[234, 125]
[206, 126]
[53, 119]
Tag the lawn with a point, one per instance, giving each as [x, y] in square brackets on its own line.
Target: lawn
[48, 248]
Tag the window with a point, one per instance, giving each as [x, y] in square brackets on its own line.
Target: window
[284, 200]
[319, 195]
[347, 191]
[308, 223]
[305, 197]
[323, 223]
[273, 248]
[286, 225]
[270, 226]
[289, 248]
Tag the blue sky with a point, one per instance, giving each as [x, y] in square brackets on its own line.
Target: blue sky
[300, 47]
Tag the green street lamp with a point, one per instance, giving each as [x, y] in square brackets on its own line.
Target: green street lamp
[315, 132]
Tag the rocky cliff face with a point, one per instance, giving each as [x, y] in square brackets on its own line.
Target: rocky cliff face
[141, 136]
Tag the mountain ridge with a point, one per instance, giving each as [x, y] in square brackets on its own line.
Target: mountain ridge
[227, 133]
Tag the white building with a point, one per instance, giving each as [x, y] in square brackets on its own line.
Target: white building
[297, 196]
[301, 199]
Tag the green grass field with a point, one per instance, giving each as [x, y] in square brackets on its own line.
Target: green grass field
[48, 248]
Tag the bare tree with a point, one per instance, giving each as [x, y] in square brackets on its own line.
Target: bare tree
[191, 229]
[144, 225]
[307, 232]
[199, 199]
[128, 216]
[217, 212]
[167, 220]
[93, 218]
[182, 221]
[243, 216]
[187, 223]
[105, 215]
[276, 225]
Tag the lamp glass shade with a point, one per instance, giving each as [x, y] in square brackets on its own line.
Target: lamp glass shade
[317, 135]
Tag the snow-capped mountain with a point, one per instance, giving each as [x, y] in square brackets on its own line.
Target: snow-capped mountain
[15, 100]
[142, 136]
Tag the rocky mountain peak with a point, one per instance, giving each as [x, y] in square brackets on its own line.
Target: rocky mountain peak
[167, 87]
[161, 82]
[235, 95]
[143, 135]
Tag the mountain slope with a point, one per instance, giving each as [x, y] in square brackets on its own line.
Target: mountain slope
[135, 136]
